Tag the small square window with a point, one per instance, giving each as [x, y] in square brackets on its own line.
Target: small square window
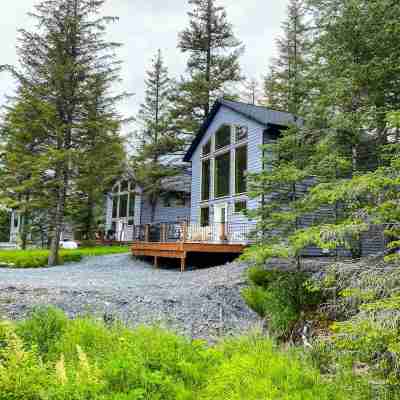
[207, 149]
[241, 133]
[240, 206]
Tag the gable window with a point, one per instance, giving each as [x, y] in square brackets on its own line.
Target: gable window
[205, 180]
[205, 216]
[223, 137]
[241, 169]
[222, 174]
[240, 206]
[124, 186]
[206, 151]
[241, 133]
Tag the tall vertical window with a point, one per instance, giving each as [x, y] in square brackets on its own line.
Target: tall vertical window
[205, 180]
[115, 207]
[131, 204]
[123, 206]
[222, 174]
[223, 137]
[205, 216]
[240, 170]
[206, 150]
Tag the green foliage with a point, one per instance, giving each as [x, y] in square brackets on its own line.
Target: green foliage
[5, 221]
[281, 297]
[38, 258]
[84, 360]
[213, 64]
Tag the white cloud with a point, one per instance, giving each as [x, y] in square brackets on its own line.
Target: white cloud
[148, 25]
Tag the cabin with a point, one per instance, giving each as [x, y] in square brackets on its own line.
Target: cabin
[128, 207]
[226, 149]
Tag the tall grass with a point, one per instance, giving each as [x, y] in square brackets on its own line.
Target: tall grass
[38, 258]
[51, 357]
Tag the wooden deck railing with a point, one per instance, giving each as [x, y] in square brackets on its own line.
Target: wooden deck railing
[194, 233]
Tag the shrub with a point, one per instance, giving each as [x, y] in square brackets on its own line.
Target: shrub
[281, 296]
[38, 258]
[85, 360]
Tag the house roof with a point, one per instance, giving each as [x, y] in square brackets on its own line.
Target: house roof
[262, 115]
[179, 183]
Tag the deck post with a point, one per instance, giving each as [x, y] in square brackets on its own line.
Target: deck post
[155, 262]
[183, 263]
[222, 232]
[184, 231]
[163, 235]
[147, 233]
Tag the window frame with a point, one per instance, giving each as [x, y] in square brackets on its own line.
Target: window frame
[238, 148]
[202, 223]
[216, 147]
[237, 140]
[203, 162]
[239, 201]
[229, 169]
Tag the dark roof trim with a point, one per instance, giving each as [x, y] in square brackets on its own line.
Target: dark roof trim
[230, 105]
[202, 131]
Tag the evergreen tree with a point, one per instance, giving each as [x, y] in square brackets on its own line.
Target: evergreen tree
[66, 51]
[102, 141]
[251, 93]
[284, 86]
[213, 64]
[348, 143]
[158, 141]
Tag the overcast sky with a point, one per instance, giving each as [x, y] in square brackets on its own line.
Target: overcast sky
[146, 25]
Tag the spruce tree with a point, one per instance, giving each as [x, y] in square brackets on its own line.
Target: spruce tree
[284, 84]
[212, 66]
[66, 50]
[158, 142]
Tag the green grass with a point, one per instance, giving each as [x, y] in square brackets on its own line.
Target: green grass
[49, 356]
[38, 258]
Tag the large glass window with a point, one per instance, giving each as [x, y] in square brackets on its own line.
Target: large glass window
[124, 186]
[241, 170]
[205, 180]
[222, 174]
[240, 206]
[223, 137]
[132, 205]
[205, 216]
[206, 148]
[123, 206]
[115, 207]
[241, 133]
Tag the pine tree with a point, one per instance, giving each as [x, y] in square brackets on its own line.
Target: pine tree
[213, 63]
[101, 140]
[348, 144]
[251, 93]
[158, 141]
[56, 63]
[283, 86]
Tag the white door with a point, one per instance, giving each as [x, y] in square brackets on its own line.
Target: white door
[220, 219]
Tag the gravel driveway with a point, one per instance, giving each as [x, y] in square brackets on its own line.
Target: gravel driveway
[204, 303]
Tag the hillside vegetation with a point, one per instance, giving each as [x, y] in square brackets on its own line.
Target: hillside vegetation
[51, 357]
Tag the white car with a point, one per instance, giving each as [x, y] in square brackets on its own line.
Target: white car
[69, 245]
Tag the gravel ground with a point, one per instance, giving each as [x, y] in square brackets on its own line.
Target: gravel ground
[202, 303]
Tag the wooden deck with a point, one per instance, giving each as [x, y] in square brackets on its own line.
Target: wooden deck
[180, 250]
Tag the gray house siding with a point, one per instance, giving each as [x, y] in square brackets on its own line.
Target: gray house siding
[164, 214]
[254, 156]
